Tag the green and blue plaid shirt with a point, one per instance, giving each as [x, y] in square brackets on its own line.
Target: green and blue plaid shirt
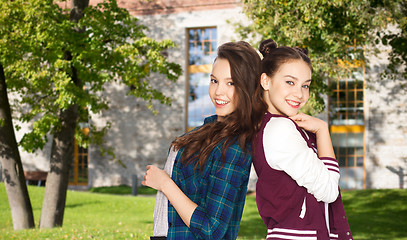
[219, 190]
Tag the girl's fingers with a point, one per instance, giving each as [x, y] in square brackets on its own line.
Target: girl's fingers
[299, 117]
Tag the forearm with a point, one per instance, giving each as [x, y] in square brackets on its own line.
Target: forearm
[324, 143]
[182, 204]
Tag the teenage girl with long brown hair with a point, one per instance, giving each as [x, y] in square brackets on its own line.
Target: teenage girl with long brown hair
[208, 168]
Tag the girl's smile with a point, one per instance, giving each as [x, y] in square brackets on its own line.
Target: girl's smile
[293, 104]
[220, 103]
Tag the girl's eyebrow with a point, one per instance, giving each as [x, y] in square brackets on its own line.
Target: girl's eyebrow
[290, 76]
[216, 77]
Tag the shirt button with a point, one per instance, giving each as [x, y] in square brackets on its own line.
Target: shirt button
[347, 233]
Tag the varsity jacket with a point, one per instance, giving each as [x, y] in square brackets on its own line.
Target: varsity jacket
[297, 193]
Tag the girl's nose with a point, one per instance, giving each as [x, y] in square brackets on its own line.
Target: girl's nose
[219, 89]
[298, 92]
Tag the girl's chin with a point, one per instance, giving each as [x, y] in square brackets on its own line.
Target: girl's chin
[222, 115]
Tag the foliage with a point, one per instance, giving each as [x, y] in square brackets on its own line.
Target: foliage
[328, 29]
[42, 51]
[372, 214]
[396, 40]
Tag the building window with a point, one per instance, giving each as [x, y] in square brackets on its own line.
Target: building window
[202, 46]
[349, 150]
[347, 99]
[346, 118]
[78, 174]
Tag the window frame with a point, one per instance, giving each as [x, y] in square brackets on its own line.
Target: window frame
[74, 177]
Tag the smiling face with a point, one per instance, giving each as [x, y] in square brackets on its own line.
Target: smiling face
[287, 91]
[221, 88]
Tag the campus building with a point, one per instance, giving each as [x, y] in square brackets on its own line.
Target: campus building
[365, 112]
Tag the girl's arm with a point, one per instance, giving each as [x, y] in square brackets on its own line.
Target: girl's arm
[285, 149]
[226, 187]
[160, 180]
[224, 200]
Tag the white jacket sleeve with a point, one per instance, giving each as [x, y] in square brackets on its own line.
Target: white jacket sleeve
[286, 150]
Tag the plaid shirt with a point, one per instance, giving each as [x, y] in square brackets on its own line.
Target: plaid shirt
[220, 192]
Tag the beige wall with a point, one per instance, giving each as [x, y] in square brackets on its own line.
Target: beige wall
[386, 126]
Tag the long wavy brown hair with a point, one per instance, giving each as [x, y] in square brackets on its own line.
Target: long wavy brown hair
[240, 125]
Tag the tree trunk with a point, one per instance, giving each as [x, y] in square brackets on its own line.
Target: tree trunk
[19, 201]
[77, 9]
[62, 149]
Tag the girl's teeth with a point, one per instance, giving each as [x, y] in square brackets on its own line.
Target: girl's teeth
[293, 103]
[220, 102]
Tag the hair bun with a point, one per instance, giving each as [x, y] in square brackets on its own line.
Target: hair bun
[303, 50]
[266, 46]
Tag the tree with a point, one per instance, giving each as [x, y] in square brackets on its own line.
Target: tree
[60, 79]
[11, 44]
[62, 150]
[19, 200]
[327, 29]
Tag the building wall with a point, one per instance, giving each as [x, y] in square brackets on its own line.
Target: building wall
[386, 126]
[148, 7]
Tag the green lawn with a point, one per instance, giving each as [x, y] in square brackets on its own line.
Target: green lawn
[373, 214]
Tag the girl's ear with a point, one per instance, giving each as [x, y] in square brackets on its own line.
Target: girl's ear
[265, 81]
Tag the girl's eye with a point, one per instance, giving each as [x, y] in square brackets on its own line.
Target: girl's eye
[306, 86]
[290, 82]
[231, 83]
[214, 80]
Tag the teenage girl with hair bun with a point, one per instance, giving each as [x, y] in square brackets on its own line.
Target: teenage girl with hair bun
[297, 190]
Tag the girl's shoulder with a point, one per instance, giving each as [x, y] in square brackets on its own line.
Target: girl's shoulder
[280, 131]
[210, 119]
[207, 120]
[280, 124]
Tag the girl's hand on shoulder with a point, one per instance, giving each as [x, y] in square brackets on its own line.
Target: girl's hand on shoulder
[309, 123]
[155, 178]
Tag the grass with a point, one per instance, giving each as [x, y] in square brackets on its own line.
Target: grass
[373, 214]
[123, 190]
[87, 216]
[377, 214]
